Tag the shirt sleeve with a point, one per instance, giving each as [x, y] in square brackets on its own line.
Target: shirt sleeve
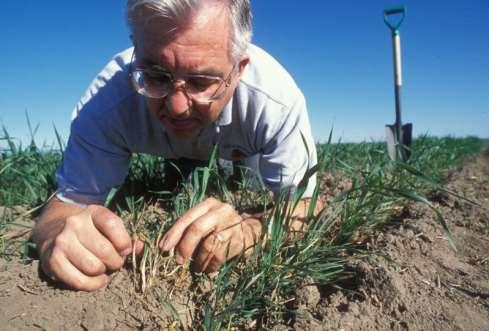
[95, 160]
[289, 151]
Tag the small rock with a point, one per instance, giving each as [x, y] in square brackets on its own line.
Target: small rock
[409, 234]
[363, 268]
[308, 294]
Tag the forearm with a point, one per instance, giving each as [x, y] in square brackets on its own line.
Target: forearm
[52, 221]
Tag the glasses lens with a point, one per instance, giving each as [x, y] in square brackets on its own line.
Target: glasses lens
[204, 88]
[157, 84]
[151, 83]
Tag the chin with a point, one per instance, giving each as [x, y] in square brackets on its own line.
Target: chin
[183, 134]
[181, 130]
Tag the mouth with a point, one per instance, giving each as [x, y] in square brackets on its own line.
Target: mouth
[180, 125]
[186, 124]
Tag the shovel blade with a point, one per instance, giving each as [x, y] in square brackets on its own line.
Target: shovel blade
[395, 151]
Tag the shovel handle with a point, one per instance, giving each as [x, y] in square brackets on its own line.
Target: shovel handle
[394, 27]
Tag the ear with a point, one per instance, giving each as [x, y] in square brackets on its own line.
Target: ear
[243, 62]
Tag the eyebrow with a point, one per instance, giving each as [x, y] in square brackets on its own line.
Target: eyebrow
[205, 71]
[208, 72]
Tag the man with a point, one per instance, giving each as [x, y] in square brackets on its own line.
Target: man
[192, 80]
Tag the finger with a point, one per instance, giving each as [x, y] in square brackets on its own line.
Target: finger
[233, 246]
[79, 256]
[175, 233]
[112, 227]
[214, 265]
[102, 248]
[205, 252]
[218, 247]
[216, 218]
[61, 268]
[235, 240]
[224, 251]
[45, 262]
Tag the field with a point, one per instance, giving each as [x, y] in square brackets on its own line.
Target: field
[398, 246]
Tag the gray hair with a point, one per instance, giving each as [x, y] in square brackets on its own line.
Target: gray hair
[176, 11]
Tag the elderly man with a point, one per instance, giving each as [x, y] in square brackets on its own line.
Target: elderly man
[192, 80]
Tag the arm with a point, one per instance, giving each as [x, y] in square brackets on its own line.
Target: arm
[78, 245]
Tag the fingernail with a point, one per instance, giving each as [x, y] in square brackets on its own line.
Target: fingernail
[164, 244]
[179, 258]
[126, 252]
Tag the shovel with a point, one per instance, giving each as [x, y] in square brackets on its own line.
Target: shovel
[398, 136]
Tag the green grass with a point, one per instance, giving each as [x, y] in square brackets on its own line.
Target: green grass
[379, 188]
[373, 190]
[27, 174]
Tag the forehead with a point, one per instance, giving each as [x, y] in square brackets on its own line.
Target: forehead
[203, 41]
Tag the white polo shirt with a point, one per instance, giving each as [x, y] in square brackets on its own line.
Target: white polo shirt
[265, 122]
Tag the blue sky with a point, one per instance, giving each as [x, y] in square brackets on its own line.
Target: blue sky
[339, 52]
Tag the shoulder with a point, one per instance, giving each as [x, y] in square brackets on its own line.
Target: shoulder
[110, 110]
[109, 89]
[266, 80]
[267, 105]
[267, 97]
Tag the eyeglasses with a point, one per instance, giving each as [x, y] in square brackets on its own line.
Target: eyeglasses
[157, 83]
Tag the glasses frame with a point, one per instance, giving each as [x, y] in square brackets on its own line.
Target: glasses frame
[183, 83]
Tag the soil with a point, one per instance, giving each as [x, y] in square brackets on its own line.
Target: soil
[416, 281]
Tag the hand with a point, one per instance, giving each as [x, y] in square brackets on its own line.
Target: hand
[212, 232]
[89, 244]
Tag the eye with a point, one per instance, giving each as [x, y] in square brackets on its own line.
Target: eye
[154, 77]
[201, 83]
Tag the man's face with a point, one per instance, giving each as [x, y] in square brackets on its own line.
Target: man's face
[202, 48]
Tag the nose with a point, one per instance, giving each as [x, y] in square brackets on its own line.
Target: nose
[178, 104]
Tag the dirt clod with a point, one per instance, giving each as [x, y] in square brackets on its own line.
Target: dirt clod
[308, 294]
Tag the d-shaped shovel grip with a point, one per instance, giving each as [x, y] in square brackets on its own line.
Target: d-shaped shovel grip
[394, 26]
